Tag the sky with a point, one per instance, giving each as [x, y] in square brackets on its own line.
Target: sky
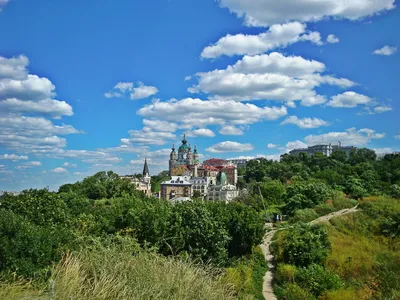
[96, 85]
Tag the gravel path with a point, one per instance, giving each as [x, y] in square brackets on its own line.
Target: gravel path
[268, 290]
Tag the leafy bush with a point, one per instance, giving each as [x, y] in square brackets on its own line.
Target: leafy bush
[304, 245]
[304, 215]
[285, 273]
[317, 280]
[28, 249]
[291, 291]
[324, 209]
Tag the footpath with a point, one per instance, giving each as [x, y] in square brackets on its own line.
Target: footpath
[268, 291]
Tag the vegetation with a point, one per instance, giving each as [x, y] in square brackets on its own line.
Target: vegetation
[102, 239]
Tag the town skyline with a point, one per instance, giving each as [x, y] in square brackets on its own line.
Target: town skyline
[80, 95]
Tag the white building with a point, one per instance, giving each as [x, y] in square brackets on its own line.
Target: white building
[324, 149]
[177, 186]
[143, 184]
[201, 184]
[222, 193]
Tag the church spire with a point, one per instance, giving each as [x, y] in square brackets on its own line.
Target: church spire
[146, 168]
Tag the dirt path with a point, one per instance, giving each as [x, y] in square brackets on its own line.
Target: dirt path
[268, 291]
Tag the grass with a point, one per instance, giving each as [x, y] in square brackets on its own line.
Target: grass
[109, 273]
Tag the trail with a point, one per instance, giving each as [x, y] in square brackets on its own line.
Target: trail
[268, 291]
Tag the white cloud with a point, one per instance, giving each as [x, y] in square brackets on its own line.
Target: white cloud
[196, 112]
[59, 170]
[147, 136]
[124, 86]
[125, 141]
[29, 165]
[272, 146]
[13, 157]
[68, 165]
[141, 91]
[28, 133]
[230, 146]
[51, 107]
[278, 35]
[201, 132]
[295, 145]
[381, 151]
[332, 39]
[159, 125]
[349, 137]
[348, 100]
[386, 50]
[231, 130]
[382, 109]
[397, 137]
[267, 12]
[305, 123]
[13, 68]
[268, 77]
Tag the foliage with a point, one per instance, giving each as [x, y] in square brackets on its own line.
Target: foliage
[304, 245]
[317, 280]
[291, 291]
[304, 215]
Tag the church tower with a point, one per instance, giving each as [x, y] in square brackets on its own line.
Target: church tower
[189, 157]
[172, 159]
[196, 160]
[146, 173]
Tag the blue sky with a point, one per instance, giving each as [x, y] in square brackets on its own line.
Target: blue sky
[99, 85]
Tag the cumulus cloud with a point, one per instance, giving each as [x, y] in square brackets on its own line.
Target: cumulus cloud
[29, 165]
[397, 137]
[13, 68]
[51, 107]
[159, 125]
[141, 91]
[386, 51]
[29, 133]
[147, 136]
[272, 146]
[349, 100]
[205, 132]
[231, 130]
[268, 77]
[351, 136]
[267, 12]
[68, 165]
[230, 146]
[196, 112]
[382, 151]
[59, 170]
[295, 145]
[305, 123]
[332, 39]
[13, 157]
[277, 36]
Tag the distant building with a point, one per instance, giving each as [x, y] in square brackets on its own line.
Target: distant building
[324, 149]
[186, 160]
[240, 163]
[178, 186]
[222, 191]
[201, 184]
[143, 184]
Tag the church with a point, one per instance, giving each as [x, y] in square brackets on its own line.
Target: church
[185, 162]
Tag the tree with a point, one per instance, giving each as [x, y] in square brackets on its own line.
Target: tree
[304, 245]
[355, 188]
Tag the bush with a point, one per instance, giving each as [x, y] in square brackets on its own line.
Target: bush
[304, 215]
[291, 291]
[285, 273]
[324, 209]
[317, 280]
[28, 249]
[305, 245]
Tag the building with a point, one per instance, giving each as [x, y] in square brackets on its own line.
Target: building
[201, 184]
[142, 184]
[222, 191]
[213, 166]
[324, 149]
[184, 160]
[177, 186]
[240, 163]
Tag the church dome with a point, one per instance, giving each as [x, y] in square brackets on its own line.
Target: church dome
[184, 147]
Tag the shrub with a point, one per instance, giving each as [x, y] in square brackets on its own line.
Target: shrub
[304, 245]
[285, 273]
[304, 215]
[317, 280]
[292, 291]
[324, 209]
